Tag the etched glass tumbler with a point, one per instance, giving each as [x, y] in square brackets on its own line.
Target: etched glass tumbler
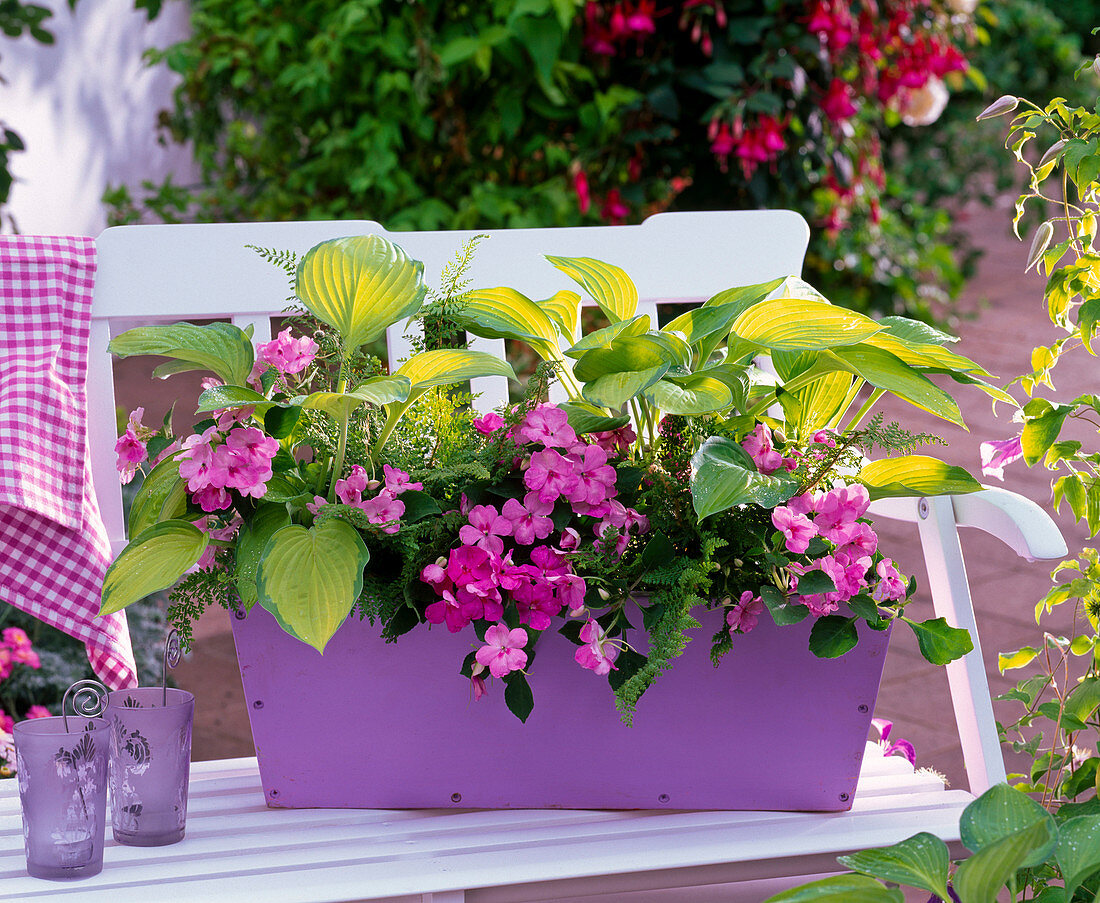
[62, 777]
[150, 763]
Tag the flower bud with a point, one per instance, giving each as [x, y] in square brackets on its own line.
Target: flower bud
[1039, 244]
[1004, 104]
[604, 594]
[1096, 65]
[373, 484]
[1051, 153]
[441, 561]
[738, 563]
[476, 669]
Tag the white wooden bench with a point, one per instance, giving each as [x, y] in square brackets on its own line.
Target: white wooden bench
[236, 849]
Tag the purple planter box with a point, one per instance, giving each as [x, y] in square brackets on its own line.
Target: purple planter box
[393, 726]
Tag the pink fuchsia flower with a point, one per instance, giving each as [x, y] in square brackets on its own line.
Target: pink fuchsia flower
[744, 614]
[900, 746]
[797, 529]
[547, 425]
[38, 711]
[615, 210]
[288, 355]
[758, 444]
[998, 454]
[580, 187]
[837, 104]
[598, 652]
[503, 650]
[891, 585]
[488, 424]
[529, 518]
[397, 481]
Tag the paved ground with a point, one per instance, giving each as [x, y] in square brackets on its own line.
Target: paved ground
[1007, 321]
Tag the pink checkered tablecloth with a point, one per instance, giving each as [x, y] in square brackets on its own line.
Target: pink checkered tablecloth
[53, 545]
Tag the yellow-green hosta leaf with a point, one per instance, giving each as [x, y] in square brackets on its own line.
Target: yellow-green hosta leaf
[796, 287]
[153, 561]
[603, 338]
[447, 366]
[613, 390]
[980, 878]
[932, 357]
[504, 313]
[691, 396]
[794, 324]
[221, 348]
[163, 496]
[219, 398]
[310, 578]
[564, 309]
[914, 475]
[916, 331]
[920, 861]
[884, 370]
[378, 390]
[743, 297]
[360, 286]
[608, 285]
[253, 538]
[634, 353]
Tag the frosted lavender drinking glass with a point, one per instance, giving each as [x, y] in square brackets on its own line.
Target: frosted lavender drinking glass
[150, 764]
[63, 791]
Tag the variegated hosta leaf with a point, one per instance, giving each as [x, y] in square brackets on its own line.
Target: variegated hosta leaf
[360, 286]
[588, 418]
[796, 287]
[447, 366]
[608, 285]
[162, 496]
[378, 390]
[219, 347]
[794, 324]
[882, 369]
[310, 578]
[613, 390]
[914, 475]
[629, 354]
[153, 561]
[219, 398]
[676, 350]
[603, 338]
[564, 309]
[915, 331]
[932, 357]
[723, 475]
[504, 313]
[820, 402]
[690, 396]
[253, 538]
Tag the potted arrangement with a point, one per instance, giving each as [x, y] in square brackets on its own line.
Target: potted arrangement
[328, 501]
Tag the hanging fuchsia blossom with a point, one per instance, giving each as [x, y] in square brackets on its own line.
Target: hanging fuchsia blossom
[286, 354]
[503, 650]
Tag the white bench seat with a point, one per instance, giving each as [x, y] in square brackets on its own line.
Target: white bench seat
[238, 850]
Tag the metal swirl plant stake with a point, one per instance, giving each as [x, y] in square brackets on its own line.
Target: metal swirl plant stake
[172, 655]
[88, 698]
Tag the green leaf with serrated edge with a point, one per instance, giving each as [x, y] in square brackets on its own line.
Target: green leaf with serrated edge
[253, 538]
[914, 475]
[840, 889]
[518, 696]
[691, 397]
[1084, 699]
[162, 496]
[564, 309]
[153, 561]
[918, 861]
[608, 285]
[504, 313]
[832, 636]
[980, 878]
[602, 338]
[784, 611]
[310, 578]
[886, 371]
[720, 479]
[588, 418]
[219, 347]
[916, 331]
[360, 286]
[940, 643]
[864, 607]
[616, 389]
[1000, 812]
[1025, 655]
[792, 324]
[219, 398]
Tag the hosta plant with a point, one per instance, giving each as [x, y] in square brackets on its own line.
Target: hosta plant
[718, 462]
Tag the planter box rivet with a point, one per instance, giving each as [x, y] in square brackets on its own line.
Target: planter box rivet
[862, 707]
[663, 798]
[258, 704]
[844, 797]
[456, 797]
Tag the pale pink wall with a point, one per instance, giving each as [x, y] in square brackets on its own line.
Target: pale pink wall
[86, 107]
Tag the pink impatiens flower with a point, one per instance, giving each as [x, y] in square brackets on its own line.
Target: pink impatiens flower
[891, 585]
[547, 425]
[503, 650]
[598, 652]
[529, 518]
[998, 454]
[550, 475]
[744, 614]
[131, 446]
[288, 355]
[38, 711]
[758, 444]
[488, 424]
[797, 529]
[485, 528]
